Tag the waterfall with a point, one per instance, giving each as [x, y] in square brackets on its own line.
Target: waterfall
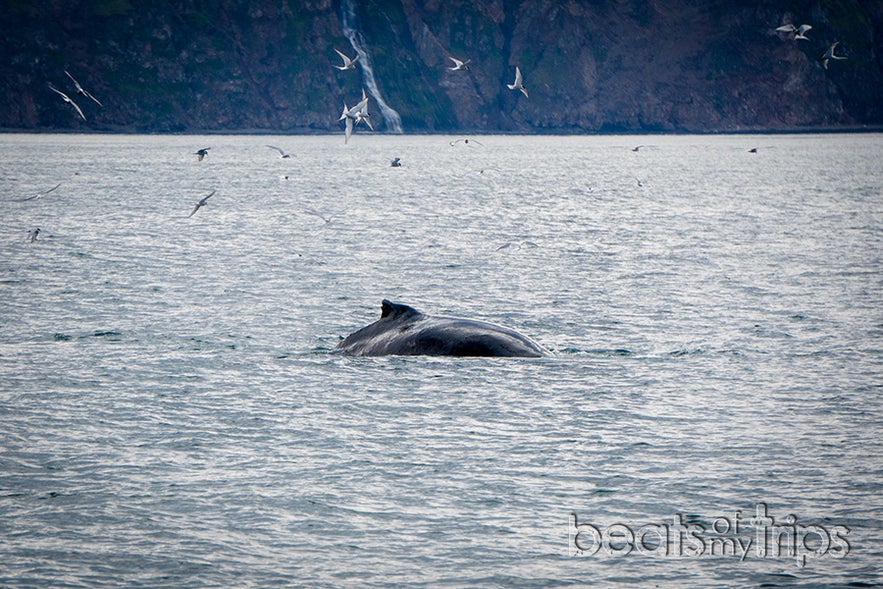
[349, 22]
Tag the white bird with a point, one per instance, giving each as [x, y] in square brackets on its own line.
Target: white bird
[38, 195]
[459, 65]
[33, 233]
[201, 153]
[518, 84]
[67, 99]
[637, 148]
[282, 152]
[81, 90]
[829, 55]
[355, 115]
[797, 32]
[348, 64]
[202, 202]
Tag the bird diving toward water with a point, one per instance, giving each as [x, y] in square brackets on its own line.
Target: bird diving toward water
[202, 202]
[829, 55]
[282, 152]
[459, 65]
[519, 83]
[355, 115]
[348, 64]
[201, 153]
[81, 90]
[67, 99]
[795, 32]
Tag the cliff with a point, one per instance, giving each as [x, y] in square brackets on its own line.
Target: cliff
[603, 66]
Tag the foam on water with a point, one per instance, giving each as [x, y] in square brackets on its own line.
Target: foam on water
[171, 415]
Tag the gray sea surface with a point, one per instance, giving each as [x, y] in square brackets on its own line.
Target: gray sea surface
[171, 414]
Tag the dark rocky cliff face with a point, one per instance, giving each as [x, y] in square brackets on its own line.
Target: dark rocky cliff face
[602, 66]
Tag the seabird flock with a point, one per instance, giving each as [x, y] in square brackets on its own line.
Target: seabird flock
[352, 117]
[359, 113]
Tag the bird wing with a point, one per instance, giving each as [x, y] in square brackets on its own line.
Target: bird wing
[346, 60]
[206, 197]
[89, 95]
[38, 195]
[77, 84]
[281, 152]
[518, 79]
[349, 129]
[789, 28]
[456, 61]
[57, 91]
[361, 107]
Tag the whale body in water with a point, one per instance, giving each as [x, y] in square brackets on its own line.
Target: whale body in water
[405, 331]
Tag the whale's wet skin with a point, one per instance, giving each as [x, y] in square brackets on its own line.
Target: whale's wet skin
[405, 331]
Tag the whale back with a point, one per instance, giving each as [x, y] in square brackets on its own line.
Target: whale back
[403, 330]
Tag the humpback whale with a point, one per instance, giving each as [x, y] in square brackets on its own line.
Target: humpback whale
[405, 331]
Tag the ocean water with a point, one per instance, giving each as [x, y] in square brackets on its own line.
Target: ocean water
[171, 414]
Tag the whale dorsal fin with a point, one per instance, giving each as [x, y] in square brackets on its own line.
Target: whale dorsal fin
[391, 310]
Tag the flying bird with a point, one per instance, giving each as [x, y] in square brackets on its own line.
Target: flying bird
[32, 234]
[201, 153]
[518, 84]
[348, 64]
[38, 195]
[282, 152]
[829, 55]
[637, 147]
[202, 202]
[795, 32]
[355, 115]
[81, 90]
[467, 142]
[459, 65]
[396, 163]
[315, 213]
[67, 99]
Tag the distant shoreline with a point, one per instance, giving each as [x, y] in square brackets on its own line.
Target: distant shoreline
[562, 133]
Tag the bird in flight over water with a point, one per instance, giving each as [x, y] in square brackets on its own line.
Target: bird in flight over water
[67, 99]
[38, 195]
[519, 83]
[282, 152]
[201, 153]
[81, 90]
[202, 202]
[355, 115]
[467, 142]
[32, 234]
